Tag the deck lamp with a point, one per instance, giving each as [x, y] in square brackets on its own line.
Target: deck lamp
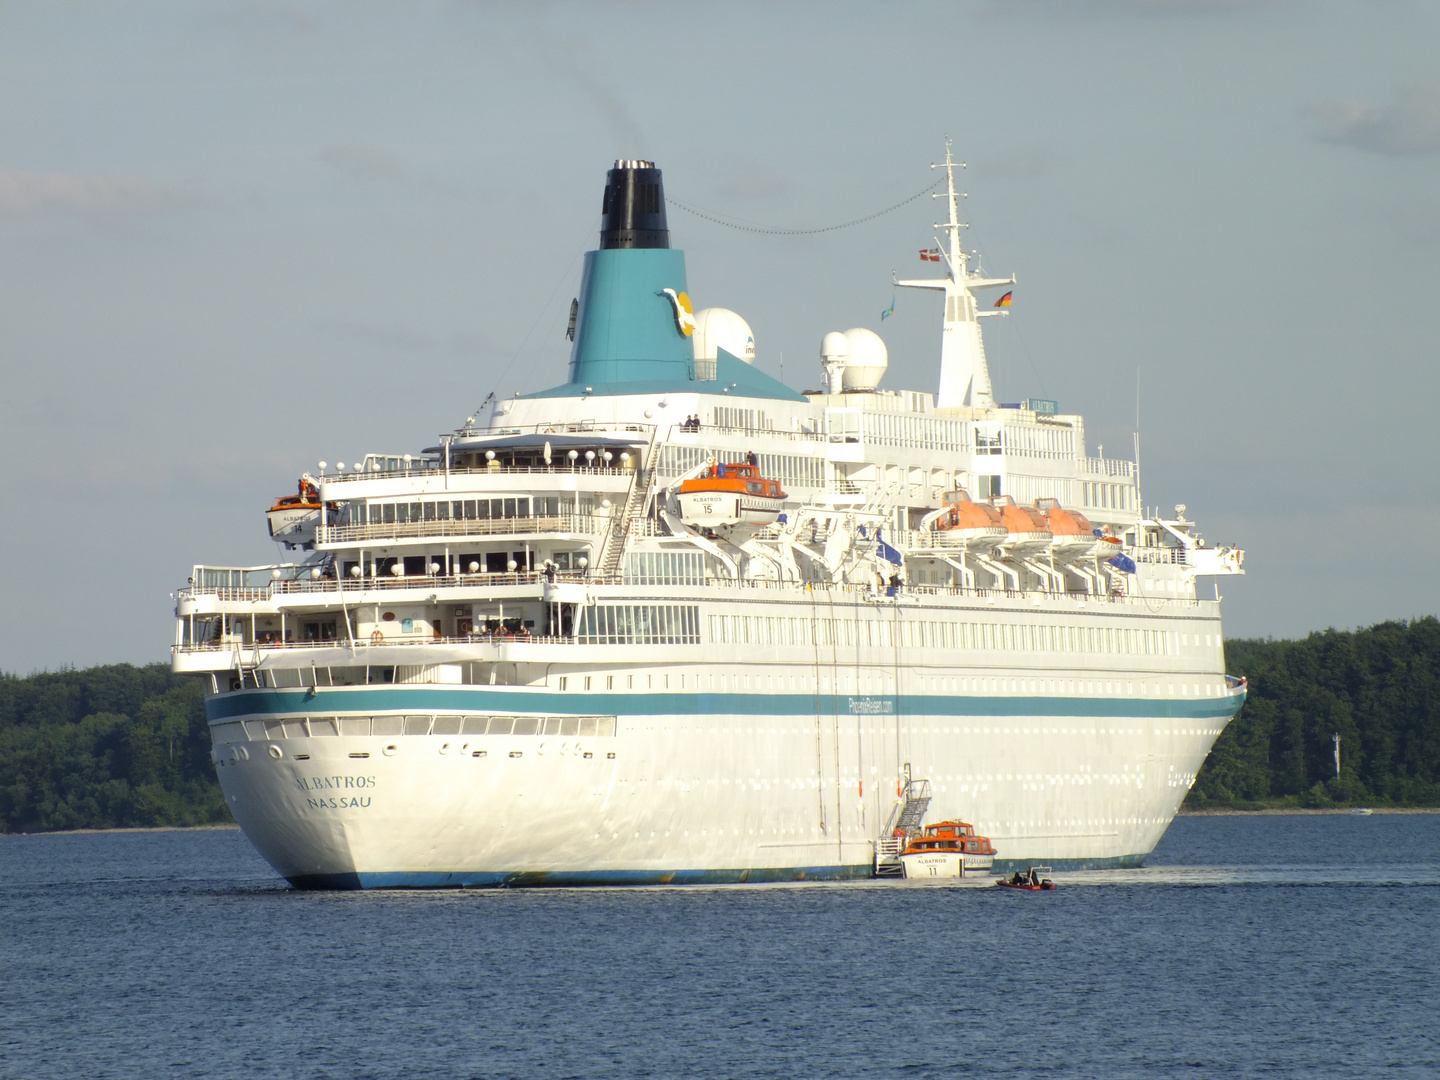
[607, 456]
[434, 568]
[322, 467]
[489, 455]
[582, 562]
[474, 567]
[339, 466]
[359, 467]
[396, 569]
[511, 565]
[355, 570]
[275, 575]
[572, 455]
[315, 574]
[589, 458]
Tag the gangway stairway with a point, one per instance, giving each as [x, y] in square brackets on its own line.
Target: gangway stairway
[625, 522]
[904, 823]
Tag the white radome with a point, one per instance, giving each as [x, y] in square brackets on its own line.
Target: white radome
[868, 359]
[721, 328]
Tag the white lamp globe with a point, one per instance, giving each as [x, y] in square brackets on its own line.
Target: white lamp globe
[275, 575]
[315, 574]
[434, 568]
[396, 569]
[511, 565]
[355, 571]
[582, 562]
[474, 567]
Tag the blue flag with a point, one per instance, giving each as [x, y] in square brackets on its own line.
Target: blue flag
[886, 552]
[889, 310]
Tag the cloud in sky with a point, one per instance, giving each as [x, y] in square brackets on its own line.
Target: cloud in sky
[1408, 125]
[35, 194]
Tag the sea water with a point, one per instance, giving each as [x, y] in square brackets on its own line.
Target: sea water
[1247, 946]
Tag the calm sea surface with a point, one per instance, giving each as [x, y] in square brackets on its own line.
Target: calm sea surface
[1272, 946]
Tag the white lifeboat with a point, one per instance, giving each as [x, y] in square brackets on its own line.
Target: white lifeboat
[293, 518]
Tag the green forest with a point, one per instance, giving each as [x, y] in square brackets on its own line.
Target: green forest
[123, 746]
[1377, 688]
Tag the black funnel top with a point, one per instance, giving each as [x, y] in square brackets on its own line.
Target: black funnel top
[633, 213]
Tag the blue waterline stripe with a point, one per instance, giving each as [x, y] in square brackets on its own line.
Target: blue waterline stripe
[519, 879]
[518, 699]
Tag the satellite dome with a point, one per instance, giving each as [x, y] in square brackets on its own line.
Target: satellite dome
[833, 346]
[868, 359]
[720, 328]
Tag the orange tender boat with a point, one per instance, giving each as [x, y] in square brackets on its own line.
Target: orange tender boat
[947, 849]
[730, 493]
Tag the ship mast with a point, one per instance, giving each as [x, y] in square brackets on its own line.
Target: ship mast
[964, 374]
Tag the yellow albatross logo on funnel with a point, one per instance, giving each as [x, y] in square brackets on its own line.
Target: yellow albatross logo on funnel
[684, 313]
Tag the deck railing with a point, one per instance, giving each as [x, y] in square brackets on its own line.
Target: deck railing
[581, 524]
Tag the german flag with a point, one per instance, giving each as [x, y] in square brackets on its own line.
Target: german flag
[1004, 301]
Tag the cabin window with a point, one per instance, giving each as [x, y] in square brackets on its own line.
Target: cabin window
[415, 511]
[988, 487]
[495, 562]
[389, 512]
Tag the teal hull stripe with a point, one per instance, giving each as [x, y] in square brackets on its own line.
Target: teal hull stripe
[487, 699]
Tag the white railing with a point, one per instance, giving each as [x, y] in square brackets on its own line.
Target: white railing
[1107, 466]
[585, 524]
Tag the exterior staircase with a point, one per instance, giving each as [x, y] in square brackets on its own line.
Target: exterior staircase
[904, 823]
[623, 523]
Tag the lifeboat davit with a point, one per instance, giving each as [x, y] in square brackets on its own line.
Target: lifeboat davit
[1074, 536]
[293, 518]
[1029, 535]
[961, 522]
[730, 493]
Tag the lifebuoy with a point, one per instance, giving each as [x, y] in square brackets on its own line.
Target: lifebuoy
[376, 637]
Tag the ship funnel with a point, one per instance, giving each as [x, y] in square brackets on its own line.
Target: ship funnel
[633, 212]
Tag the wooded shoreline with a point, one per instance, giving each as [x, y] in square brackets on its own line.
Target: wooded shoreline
[125, 747]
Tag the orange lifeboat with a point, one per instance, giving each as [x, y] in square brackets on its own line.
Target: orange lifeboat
[962, 522]
[1029, 533]
[730, 493]
[1073, 533]
[293, 518]
[947, 849]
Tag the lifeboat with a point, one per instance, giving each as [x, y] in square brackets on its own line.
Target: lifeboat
[1029, 534]
[960, 522]
[293, 518]
[947, 849]
[730, 493]
[1074, 536]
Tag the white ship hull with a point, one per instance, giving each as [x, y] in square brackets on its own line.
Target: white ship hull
[944, 864]
[723, 786]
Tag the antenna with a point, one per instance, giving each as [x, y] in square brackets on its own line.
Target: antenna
[1138, 498]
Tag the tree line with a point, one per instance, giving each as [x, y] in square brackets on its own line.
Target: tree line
[122, 746]
[105, 747]
[1377, 688]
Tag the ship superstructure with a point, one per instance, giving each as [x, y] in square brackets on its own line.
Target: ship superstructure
[675, 621]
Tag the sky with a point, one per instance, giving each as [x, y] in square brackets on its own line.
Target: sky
[237, 238]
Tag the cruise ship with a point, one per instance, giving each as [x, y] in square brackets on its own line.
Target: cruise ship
[674, 621]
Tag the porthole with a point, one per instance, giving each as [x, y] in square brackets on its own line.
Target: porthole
[389, 751]
[302, 757]
[588, 755]
[359, 753]
[445, 748]
[479, 753]
[611, 754]
[517, 753]
[276, 752]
